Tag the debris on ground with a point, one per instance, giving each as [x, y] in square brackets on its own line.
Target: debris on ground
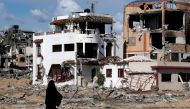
[19, 93]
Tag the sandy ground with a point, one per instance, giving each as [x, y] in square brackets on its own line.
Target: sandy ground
[30, 97]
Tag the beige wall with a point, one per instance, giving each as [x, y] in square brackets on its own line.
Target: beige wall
[142, 44]
[173, 85]
[142, 66]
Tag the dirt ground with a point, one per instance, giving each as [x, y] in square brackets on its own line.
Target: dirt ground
[20, 94]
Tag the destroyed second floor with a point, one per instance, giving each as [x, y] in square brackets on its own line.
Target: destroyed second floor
[157, 29]
[79, 35]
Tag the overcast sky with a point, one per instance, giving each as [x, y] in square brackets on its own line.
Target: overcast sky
[36, 15]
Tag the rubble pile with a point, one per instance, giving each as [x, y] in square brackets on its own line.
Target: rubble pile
[85, 97]
[7, 100]
[18, 74]
[142, 97]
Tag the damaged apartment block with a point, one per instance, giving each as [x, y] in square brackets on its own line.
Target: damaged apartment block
[156, 25]
[160, 30]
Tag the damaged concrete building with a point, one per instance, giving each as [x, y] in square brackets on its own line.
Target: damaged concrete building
[160, 30]
[73, 49]
[17, 47]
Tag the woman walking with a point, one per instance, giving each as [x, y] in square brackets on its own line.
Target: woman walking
[53, 97]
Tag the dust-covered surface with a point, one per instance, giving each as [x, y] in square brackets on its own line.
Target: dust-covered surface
[20, 94]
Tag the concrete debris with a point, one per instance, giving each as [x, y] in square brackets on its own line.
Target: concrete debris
[7, 100]
[83, 98]
[18, 74]
[79, 100]
[142, 97]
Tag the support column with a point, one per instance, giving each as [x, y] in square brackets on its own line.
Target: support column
[75, 67]
[113, 48]
[86, 29]
[98, 53]
[105, 44]
[141, 21]
[184, 22]
[75, 73]
[163, 22]
[34, 64]
[6, 62]
[84, 48]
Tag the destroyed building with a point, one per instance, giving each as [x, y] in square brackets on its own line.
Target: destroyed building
[74, 48]
[17, 45]
[160, 30]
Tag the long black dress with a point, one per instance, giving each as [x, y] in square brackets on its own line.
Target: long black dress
[53, 97]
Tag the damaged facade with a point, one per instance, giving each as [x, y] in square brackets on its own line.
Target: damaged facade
[160, 30]
[17, 48]
[73, 49]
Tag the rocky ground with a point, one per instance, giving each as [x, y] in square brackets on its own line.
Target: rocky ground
[18, 93]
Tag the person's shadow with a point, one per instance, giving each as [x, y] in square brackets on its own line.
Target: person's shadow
[53, 97]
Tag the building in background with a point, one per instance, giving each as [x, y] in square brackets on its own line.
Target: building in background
[160, 30]
[17, 47]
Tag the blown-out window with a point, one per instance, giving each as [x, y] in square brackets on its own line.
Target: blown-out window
[120, 73]
[57, 48]
[109, 73]
[91, 50]
[69, 47]
[166, 77]
[185, 77]
[175, 57]
[131, 41]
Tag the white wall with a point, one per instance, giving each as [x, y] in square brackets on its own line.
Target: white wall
[87, 71]
[134, 82]
[50, 57]
[116, 81]
[29, 51]
[119, 46]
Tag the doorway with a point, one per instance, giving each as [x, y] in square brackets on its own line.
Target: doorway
[93, 74]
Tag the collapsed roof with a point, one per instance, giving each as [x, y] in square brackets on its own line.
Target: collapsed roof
[140, 2]
[106, 60]
[179, 4]
[106, 19]
[138, 59]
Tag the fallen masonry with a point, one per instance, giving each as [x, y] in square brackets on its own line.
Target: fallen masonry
[7, 100]
[15, 92]
[18, 74]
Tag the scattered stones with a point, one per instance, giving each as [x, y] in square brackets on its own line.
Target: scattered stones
[7, 100]
[17, 74]
[87, 98]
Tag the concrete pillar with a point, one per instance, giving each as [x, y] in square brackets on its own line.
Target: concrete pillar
[98, 53]
[84, 48]
[163, 22]
[86, 27]
[6, 62]
[114, 48]
[141, 22]
[34, 73]
[184, 21]
[105, 44]
[75, 67]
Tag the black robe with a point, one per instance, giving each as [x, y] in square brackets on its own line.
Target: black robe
[53, 97]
